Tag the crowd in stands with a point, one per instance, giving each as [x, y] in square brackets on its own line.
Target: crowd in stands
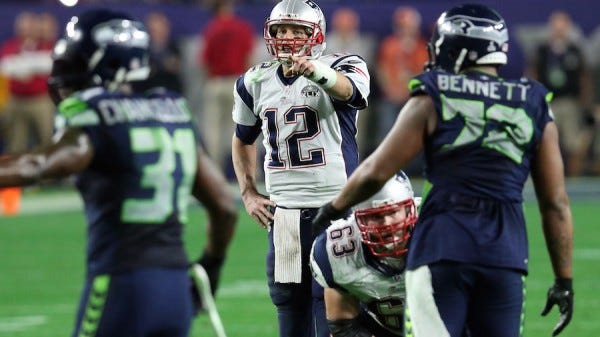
[204, 67]
[25, 63]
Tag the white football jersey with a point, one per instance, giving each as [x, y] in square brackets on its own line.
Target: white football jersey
[339, 260]
[309, 138]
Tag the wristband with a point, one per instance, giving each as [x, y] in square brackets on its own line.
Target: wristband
[208, 261]
[332, 213]
[564, 283]
[323, 75]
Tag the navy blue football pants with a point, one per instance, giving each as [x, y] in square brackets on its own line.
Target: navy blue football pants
[141, 303]
[464, 300]
[300, 306]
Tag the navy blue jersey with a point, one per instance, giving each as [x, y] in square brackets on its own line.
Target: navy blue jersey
[137, 187]
[477, 161]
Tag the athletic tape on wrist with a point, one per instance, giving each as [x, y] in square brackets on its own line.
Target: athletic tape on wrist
[323, 75]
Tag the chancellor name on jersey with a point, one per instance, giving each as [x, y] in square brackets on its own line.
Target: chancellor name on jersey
[297, 111]
[339, 260]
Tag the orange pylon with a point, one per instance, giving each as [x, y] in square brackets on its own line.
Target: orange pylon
[10, 200]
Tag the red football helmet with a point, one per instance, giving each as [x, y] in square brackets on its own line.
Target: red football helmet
[387, 218]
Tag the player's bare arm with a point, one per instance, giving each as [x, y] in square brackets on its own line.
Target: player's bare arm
[340, 305]
[548, 179]
[553, 202]
[209, 189]
[416, 119]
[342, 309]
[71, 153]
[244, 164]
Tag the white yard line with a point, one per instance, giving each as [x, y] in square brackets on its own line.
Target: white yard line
[246, 288]
[19, 323]
[587, 253]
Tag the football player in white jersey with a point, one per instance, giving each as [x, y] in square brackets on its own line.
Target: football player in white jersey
[360, 263]
[305, 104]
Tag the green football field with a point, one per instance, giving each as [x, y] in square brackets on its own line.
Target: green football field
[42, 256]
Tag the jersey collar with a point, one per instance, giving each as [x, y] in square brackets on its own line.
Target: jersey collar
[286, 80]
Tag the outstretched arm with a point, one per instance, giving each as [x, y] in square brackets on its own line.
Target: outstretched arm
[71, 153]
[334, 82]
[404, 141]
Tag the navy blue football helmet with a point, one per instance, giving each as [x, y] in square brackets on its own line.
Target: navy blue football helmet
[468, 35]
[99, 48]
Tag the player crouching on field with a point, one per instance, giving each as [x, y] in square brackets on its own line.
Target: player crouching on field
[358, 281]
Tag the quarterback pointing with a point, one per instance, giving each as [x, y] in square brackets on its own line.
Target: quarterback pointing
[305, 104]
[360, 263]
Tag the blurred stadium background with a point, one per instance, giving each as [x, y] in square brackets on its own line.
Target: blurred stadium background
[41, 248]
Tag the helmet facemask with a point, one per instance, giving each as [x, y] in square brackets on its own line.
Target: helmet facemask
[284, 48]
[69, 74]
[386, 229]
[300, 13]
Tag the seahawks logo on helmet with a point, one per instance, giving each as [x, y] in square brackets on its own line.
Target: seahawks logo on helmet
[100, 47]
[468, 35]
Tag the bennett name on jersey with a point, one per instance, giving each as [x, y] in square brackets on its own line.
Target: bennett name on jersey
[500, 90]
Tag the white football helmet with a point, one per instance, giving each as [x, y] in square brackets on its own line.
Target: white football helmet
[387, 218]
[304, 13]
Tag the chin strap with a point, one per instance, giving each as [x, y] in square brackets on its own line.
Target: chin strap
[459, 60]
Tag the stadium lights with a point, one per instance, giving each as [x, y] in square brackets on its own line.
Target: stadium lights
[69, 3]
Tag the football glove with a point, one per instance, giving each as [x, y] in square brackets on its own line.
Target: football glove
[324, 217]
[347, 328]
[560, 294]
[212, 266]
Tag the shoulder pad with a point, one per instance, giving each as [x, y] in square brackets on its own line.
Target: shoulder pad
[419, 84]
[539, 88]
[72, 106]
[262, 66]
[261, 71]
[337, 58]
[415, 84]
[76, 112]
